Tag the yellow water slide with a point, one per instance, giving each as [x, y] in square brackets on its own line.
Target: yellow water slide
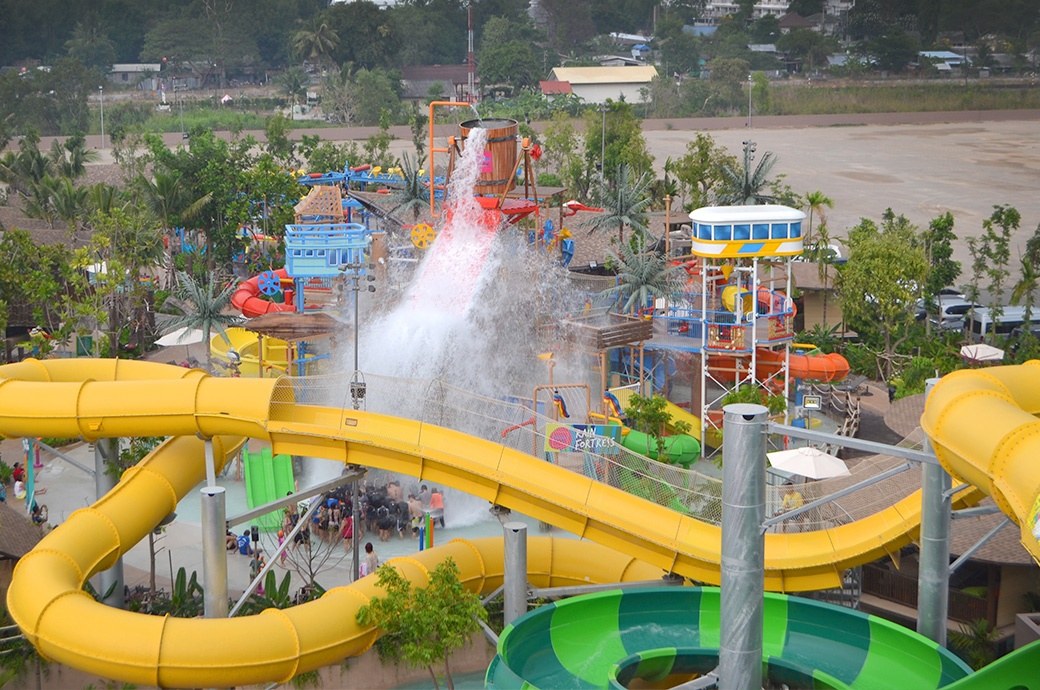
[984, 427]
[109, 398]
[275, 357]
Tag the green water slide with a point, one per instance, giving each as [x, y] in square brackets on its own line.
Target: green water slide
[267, 478]
[669, 634]
[680, 449]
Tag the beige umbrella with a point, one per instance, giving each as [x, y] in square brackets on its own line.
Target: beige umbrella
[808, 462]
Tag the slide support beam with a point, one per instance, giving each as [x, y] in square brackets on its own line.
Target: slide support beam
[110, 582]
[515, 587]
[742, 601]
[933, 582]
[214, 552]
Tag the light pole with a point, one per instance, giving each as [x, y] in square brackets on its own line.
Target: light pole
[101, 96]
[357, 392]
[603, 108]
[750, 84]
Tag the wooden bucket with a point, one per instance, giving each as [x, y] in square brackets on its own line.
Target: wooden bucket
[497, 169]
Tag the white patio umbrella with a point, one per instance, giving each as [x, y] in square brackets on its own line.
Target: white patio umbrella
[808, 462]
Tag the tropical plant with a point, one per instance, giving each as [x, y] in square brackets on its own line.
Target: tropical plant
[642, 275]
[413, 196]
[650, 416]
[743, 186]
[423, 626]
[316, 40]
[202, 307]
[974, 641]
[815, 202]
[625, 204]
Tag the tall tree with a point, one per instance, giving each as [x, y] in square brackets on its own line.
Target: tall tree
[999, 228]
[815, 202]
[316, 40]
[882, 280]
[91, 45]
[626, 204]
[938, 250]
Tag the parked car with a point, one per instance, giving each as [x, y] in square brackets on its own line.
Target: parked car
[950, 313]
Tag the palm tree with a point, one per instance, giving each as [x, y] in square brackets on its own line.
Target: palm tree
[169, 199]
[71, 157]
[202, 308]
[625, 205]
[743, 187]
[413, 196]
[1024, 291]
[315, 41]
[293, 82]
[815, 203]
[642, 275]
[70, 203]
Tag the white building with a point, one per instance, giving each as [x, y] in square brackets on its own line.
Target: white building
[597, 84]
[715, 11]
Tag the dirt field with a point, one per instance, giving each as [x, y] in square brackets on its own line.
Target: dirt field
[918, 164]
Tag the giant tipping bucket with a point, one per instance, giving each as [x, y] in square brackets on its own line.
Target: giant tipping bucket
[497, 170]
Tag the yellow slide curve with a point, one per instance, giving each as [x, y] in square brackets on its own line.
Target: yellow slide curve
[115, 398]
[984, 428]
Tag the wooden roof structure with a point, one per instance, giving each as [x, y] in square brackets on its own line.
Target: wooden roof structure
[602, 332]
[18, 535]
[324, 201]
[293, 327]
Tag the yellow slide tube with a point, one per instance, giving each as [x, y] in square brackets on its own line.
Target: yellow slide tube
[983, 425]
[99, 398]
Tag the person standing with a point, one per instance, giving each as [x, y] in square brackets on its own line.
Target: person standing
[437, 506]
[371, 560]
[424, 498]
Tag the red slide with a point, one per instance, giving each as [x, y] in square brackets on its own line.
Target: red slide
[816, 366]
[247, 297]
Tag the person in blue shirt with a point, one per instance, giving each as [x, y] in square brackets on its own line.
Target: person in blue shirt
[244, 547]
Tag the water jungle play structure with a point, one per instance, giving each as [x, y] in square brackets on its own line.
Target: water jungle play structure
[971, 418]
[636, 520]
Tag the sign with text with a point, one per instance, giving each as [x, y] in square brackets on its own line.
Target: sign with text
[582, 438]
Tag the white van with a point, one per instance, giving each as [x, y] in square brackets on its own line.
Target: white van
[983, 324]
[950, 313]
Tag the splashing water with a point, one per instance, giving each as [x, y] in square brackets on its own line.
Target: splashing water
[469, 318]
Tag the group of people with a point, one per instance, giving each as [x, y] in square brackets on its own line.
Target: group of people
[386, 511]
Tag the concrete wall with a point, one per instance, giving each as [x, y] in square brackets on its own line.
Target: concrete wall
[599, 93]
[1015, 581]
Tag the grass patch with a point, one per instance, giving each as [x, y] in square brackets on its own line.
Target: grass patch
[837, 98]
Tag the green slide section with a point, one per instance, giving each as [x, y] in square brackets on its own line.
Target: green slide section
[267, 478]
[670, 635]
[678, 450]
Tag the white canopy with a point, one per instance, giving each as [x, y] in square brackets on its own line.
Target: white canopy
[982, 352]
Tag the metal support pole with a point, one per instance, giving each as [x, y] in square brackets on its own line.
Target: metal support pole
[743, 546]
[933, 582]
[355, 512]
[110, 582]
[214, 552]
[515, 588]
[211, 464]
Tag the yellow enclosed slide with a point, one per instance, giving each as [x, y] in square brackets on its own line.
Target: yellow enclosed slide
[108, 398]
[984, 427]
